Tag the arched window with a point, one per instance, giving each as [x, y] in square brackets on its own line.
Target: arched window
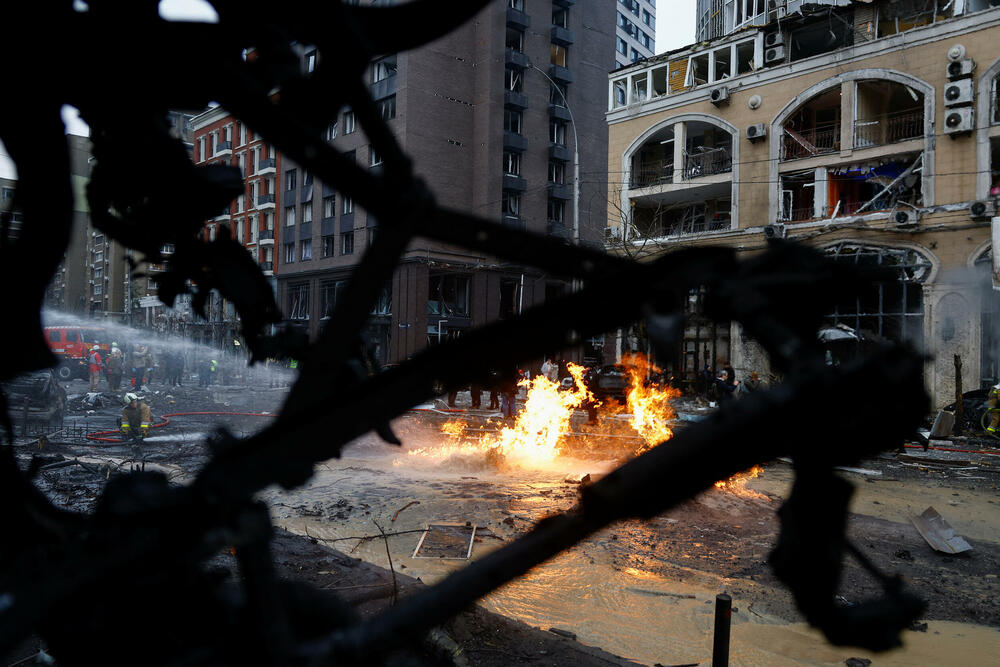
[889, 310]
[680, 178]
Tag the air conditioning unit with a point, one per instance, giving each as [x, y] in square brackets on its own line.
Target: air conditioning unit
[774, 55]
[773, 39]
[905, 218]
[979, 210]
[756, 132]
[958, 121]
[776, 231]
[958, 92]
[719, 95]
[959, 69]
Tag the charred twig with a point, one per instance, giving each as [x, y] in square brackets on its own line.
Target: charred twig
[409, 504]
[395, 584]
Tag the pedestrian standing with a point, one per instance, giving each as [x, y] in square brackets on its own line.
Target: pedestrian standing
[95, 366]
[115, 364]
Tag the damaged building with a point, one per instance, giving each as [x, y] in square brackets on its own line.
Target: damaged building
[867, 129]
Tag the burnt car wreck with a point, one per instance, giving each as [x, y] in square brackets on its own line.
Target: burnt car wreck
[58, 580]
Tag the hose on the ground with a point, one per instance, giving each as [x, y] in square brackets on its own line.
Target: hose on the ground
[100, 436]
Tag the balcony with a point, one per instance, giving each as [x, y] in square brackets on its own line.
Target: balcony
[517, 19]
[818, 140]
[558, 229]
[267, 166]
[223, 149]
[560, 191]
[559, 112]
[560, 153]
[515, 100]
[514, 142]
[889, 128]
[265, 201]
[266, 237]
[328, 226]
[305, 230]
[512, 182]
[513, 221]
[561, 36]
[560, 74]
[650, 174]
[267, 268]
[707, 163]
[514, 58]
[384, 88]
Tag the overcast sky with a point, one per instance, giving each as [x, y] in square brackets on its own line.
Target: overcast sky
[674, 24]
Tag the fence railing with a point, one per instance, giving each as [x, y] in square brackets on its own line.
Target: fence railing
[652, 173]
[888, 128]
[715, 161]
[818, 140]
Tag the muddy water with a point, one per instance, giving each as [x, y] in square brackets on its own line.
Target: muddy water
[630, 611]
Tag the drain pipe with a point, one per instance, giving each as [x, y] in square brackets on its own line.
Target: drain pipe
[723, 616]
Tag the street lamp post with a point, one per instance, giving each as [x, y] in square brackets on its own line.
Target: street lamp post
[576, 158]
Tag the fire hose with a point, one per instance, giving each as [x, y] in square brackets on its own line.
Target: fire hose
[101, 436]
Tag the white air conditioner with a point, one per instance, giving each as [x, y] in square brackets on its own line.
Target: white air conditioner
[775, 231]
[719, 95]
[905, 217]
[958, 92]
[957, 121]
[959, 69]
[773, 39]
[775, 55]
[979, 210]
[756, 132]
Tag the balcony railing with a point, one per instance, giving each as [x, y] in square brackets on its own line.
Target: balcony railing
[889, 128]
[266, 234]
[266, 267]
[652, 173]
[714, 161]
[698, 225]
[265, 199]
[267, 165]
[813, 141]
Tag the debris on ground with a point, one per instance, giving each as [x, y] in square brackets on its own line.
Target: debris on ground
[938, 533]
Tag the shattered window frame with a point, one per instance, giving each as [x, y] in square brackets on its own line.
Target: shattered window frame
[886, 320]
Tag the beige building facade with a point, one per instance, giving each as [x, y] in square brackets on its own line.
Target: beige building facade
[870, 134]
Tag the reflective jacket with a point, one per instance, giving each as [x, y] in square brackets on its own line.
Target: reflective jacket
[139, 416]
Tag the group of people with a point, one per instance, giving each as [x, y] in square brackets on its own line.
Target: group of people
[114, 364]
[503, 392]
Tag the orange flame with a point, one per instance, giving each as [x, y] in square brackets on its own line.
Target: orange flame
[738, 483]
[649, 404]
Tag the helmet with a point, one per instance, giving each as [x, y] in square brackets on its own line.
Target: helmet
[129, 397]
[114, 343]
[95, 349]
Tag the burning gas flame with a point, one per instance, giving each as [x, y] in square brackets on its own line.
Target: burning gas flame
[649, 404]
[738, 483]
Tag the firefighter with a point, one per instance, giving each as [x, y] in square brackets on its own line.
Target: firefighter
[992, 408]
[136, 417]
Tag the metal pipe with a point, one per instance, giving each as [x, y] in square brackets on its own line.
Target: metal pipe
[723, 617]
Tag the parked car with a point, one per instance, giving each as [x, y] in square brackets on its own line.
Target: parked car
[44, 396]
[607, 382]
[72, 345]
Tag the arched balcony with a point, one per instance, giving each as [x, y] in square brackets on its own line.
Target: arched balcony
[679, 178]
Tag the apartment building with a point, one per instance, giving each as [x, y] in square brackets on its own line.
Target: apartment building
[869, 130]
[635, 32]
[488, 114]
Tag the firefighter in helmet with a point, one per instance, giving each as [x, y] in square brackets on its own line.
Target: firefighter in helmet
[136, 417]
[993, 409]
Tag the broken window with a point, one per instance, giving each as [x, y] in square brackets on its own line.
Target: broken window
[814, 128]
[829, 33]
[383, 303]
[298, 301]
[708, 150]
[515, 40]
[697, 71]
[621, 93]
[745, 57]
[995, 168]
[639, 88]
[687, 218]
[449, 295]
[508, 299]
[884, 310]
[512, 163]
[903, 15]
[557, 55]
[722, 59]
[330, 292]
[512, 79]
[989, 373]
[798, 192]
[653, 163]
[875, 186]
[384, 68]
[995, 97]
[887, 112]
